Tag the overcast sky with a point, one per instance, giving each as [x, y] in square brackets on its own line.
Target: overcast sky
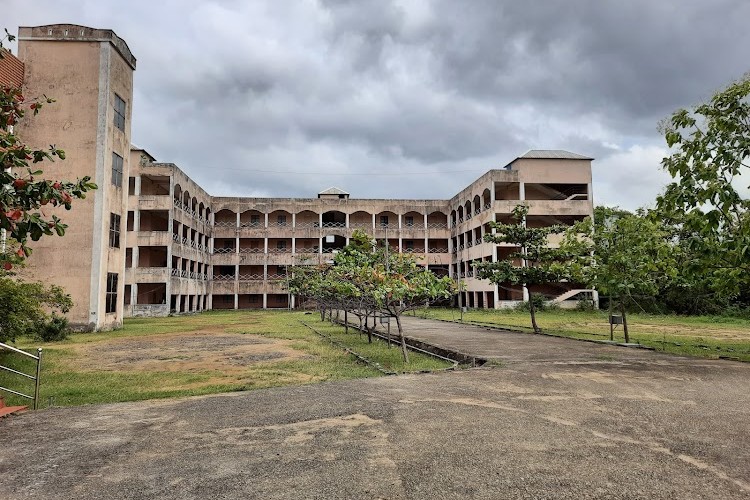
[410, 98]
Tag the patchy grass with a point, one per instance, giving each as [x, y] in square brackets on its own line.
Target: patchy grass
[188, 355]
[700, 336]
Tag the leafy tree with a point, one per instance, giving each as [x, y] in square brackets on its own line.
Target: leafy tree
[401, 285]
[23, 194]
[24, 308]
[626, 256]
[540, 263]
[365, 280]
[711, 144]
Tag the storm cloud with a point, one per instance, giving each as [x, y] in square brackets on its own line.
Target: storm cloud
[410, 98]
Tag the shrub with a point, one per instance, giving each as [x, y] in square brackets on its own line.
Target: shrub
[53, 330]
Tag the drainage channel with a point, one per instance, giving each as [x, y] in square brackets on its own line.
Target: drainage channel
[424, 349]
[455, 357]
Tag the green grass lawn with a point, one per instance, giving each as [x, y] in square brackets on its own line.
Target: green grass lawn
[199, 354]
[701, 336]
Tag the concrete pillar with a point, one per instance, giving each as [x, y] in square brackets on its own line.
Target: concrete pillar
[266, 219]
[400, 240]
[178, 303]
[237, 220]
[347, 219]
[134, 293]
[294, 221]
[521, 191]
[265, 301]
[236, 301]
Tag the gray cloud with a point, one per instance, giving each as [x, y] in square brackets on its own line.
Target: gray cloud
[238, 93]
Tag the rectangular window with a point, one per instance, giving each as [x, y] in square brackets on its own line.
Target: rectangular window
[282, 220]
[383, 220]
[409, 221]
[114, 230]
[116, 170]
[119, 113]
[111, 305]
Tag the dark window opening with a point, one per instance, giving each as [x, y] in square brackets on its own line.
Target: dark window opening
[111, 302]
[116, 170]
[114, 230]
[119, 113]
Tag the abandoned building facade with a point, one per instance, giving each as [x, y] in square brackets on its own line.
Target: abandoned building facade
[150, 241]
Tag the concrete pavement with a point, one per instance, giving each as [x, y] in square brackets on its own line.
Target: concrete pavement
[559, 419]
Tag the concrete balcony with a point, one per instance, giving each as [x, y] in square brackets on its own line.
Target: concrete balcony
[152, 274]
[559, 207]
[223, 287]
[154, 202]
[225, 258]
[154, 238]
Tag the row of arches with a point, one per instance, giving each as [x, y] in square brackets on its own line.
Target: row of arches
[472, 207]
[330, 219]
[190, 204]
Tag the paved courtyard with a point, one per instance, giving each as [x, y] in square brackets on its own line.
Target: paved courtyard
[558, 419]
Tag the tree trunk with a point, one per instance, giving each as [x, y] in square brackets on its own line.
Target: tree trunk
[624, 322]
[611, 326]
[322, 314]
[403, 340]
[360, 326]
[346, 322]
[532, 309]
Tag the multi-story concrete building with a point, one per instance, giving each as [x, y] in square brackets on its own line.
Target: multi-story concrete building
[188, 251]
[150, 241]
[89, 72]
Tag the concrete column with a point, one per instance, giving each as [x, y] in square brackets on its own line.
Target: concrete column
[266, 219]
[178, 303]
[236, 301]
[373, 221]
[265, 301]
[294, 221]
[347, 219]
[521, 191]
[400, 247]
[237, 221]
[294, 245]
[138, 187]
[134, 294]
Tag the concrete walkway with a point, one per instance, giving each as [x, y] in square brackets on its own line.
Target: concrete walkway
[559, 419]
[510, 347]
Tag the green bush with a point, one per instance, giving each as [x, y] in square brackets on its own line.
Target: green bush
[24, 307]
[55, 329]
[540, 304]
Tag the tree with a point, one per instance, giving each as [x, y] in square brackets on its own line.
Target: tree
[401, 285]
[711, 144]
[23, 193]
[540, 263]
[24, 307]
[625, 256]
[365, 280]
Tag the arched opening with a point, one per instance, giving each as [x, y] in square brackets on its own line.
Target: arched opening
[225, 218]
[252, 218]
[453, 218]
[386, 220]
[477, 205]
[332, 242]
[460, 213]
[279, 218]
[361, 220]
[306, 219]
[467, 210]
[334, 218]
[412, 219]
[438, 220]
[177, 192]
[487, 199]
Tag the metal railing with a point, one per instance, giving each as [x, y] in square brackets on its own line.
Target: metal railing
[38, 358]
